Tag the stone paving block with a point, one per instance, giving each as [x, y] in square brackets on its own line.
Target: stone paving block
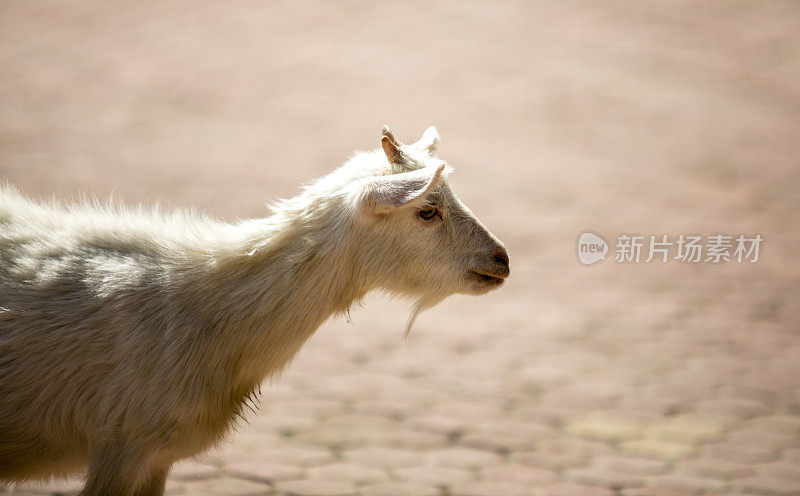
[174, 488]
[635, 417]
[688, 484]
[334, 438]
[745, 392]
[191, 470]
[386, 458]
[467, 390]
[463, 458]
[351, 387]
[547, 374]
[316, 408]
[354, 422]
[657, 449]
[741, 453]
[228, 453]
[399, 489]
[412, 439]
[529, 430]
[736, 408]
[606, 429]
[446, 426]
[568, 445]
[349, 472]
[650, 407]
[780, 470]
[549, 461]
[686, 431]
[68, 486]
[695, 377]
[714, 469]
[284, 425]
[548, 414]
[593, 476]
[760, 439]
[317, 487]
[389, 409]
[518, 473]
[651, 491]
[709, 419]
[226, 486]
[574, 403]
[595, 389]
[792, 455]
[433, 476]
[495, 442]
[779, 424]
[630, 465]
[298, 456]
[472, 413]
[569, 489]
[417, 396]
[508, 436]
[250, 443]
[686, 393]
[768, 487]
[348, 431]
[491, 489]
[321, 364]
[399, 366]
[263, 471]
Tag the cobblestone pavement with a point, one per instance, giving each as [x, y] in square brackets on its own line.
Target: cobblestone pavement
[559, 117]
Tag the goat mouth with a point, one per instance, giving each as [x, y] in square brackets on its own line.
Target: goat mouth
[486, 278]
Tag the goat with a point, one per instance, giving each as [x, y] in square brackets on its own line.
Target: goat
[130, 339]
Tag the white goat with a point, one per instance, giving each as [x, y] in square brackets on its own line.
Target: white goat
[130, 339]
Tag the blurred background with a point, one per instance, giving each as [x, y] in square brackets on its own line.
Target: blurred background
[669, 117]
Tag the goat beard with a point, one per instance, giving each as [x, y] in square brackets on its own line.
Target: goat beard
[423, 303]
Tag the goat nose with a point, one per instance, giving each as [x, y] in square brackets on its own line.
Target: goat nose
[501, 257]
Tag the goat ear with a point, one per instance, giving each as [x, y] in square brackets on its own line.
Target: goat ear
[430, 138]
[384, 193]
[390, 146]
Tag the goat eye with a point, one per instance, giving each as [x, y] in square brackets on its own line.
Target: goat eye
[428, 213]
